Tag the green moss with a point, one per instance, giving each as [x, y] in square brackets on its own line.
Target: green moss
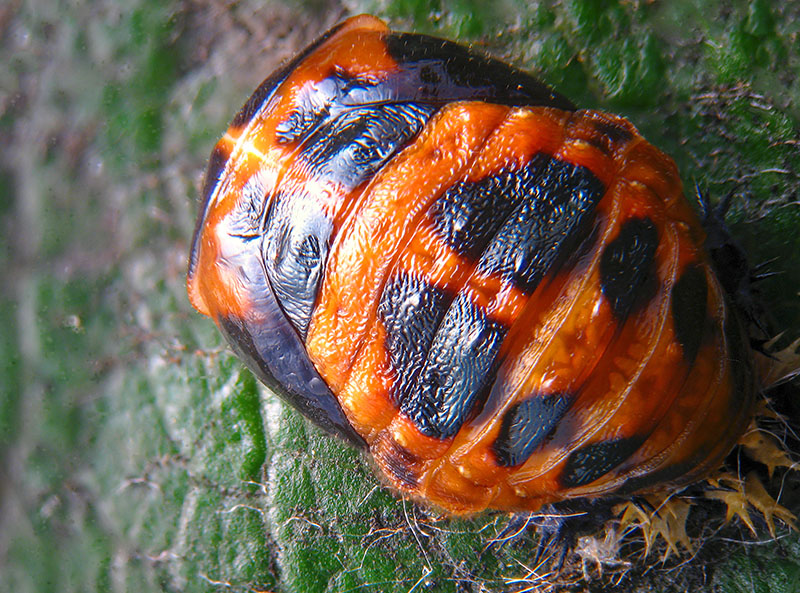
[248, 406]
[757, 574]
[135, 102]
[11, 372]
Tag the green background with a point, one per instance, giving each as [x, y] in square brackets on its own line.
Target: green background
[137, 455]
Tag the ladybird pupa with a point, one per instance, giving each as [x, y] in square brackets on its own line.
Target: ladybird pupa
[506, 300]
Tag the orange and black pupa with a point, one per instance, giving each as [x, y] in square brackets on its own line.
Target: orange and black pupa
[506, 300]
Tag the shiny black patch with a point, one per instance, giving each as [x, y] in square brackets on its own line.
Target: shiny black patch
[349, 148]
[526, 425]
[460, 364]
[546, 228]
[608, 138]
[589, 463]
[328, 99]
[469, 214]
[295, 249]
[689, 309]
[411, 310]
[445, 72]
[627, 267]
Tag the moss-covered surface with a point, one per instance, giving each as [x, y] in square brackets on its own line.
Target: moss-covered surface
[137, 455]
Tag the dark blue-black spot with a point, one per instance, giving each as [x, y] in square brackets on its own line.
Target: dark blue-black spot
[608, 137]
[463, 74]
[689, 309]
[627, 267]
[591, 462]
[459, 367]
[546, 228]
[614, 132]
[348, 148]
[526, 425]
[469, 214]
[411, 310]
[295, 249]
[326, 99]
